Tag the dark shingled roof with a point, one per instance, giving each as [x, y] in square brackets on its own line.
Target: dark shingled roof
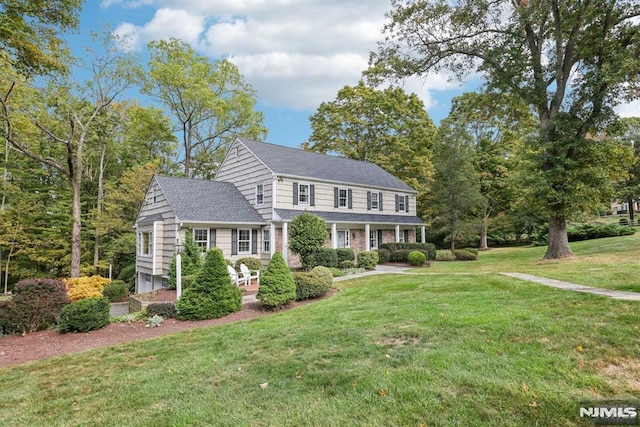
[294, 162]
[207, 201]
[348, 217]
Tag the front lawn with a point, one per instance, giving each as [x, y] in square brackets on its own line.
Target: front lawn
[468, 350]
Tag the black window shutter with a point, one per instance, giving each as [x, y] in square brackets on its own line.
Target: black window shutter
[254, 241]
[350, 198]
[295, 193]
[406, 203]
[335, 197]
[234, 241]
[312, 195]
[379, 237]
[212, 238]
[380, 200]
[397, 203]
[368, 200]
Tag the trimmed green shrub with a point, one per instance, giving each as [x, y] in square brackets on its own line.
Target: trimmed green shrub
[345, 254]
[277, 287]
[85, 315]
[325, 257]
[115, 291]
[444, 255]
[464, 255]
[347, 264]
[384, 255]
[36, 304]
[312, 284]
[429, 247]
[128, 276]
[164, 309]
[251, 263]
[472, 250]
[416, 258]
[402, 255]
[212, 294]
[368, 260]
[595, 231]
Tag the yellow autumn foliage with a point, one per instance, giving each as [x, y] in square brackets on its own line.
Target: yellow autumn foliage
[85, 287]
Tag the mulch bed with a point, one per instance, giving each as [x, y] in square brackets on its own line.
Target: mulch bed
[16, 349]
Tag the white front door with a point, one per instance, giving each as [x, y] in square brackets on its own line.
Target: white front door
[343, 238]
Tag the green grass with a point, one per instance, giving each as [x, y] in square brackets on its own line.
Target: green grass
[439, 349]
[611, 263]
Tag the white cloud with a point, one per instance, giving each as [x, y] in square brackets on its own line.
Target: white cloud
[631, 109]
[295, 53]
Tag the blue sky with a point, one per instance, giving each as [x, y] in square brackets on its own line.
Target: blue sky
[295, 53]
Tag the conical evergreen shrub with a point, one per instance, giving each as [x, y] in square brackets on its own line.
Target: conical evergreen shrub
[212, 294]
[277, 287]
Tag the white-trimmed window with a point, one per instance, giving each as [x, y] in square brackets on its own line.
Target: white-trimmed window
[343, 197]
[401, 205]
[374, 201]
[373, 238]
[244, 241]
[303, 194]
[266, 241]
[146, 243]
[259, 194]
[201, 238]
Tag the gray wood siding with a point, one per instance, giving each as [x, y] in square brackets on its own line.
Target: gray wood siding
[245, 171]
[324, 199]
[165, 237]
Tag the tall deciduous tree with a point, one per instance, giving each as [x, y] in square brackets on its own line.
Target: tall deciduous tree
[629, 189]
[209, 102]
[455, 190]
[498, 124]
[571, 62]
[30, 33]
[387, 127]
[52, 124]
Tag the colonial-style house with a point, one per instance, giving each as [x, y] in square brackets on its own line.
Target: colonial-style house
[258, 190]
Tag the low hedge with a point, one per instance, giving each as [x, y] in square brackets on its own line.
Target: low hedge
[384, 255]
[345, 254]
[444, 255]
[595, 231]
[312, 284]
[402, 255]
[464, 255]
[164, 309]
[326, 257]
[368, 260]
[85, 315]
[429, 247]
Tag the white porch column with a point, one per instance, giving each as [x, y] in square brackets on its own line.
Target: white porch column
[423, 238]
[272, 239]
[397, 233]
[367, 232]
[334, 235]
[285, 242]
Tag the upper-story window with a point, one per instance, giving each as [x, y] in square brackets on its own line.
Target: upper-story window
[374, 201]
[146, 243]
[266, 240]
[303, 194]
[342, 197]
[402, 203]
[259, 194]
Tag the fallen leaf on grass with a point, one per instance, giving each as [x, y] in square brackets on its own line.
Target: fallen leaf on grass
[264, 385]
[382, 392]
[525, 388]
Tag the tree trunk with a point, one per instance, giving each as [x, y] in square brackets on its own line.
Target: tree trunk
[558, 240]
[98, 237]
[77, 225]
[484, 246]
[631, 212]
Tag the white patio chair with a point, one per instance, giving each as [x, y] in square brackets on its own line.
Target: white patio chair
[235, 277]
[248, 275]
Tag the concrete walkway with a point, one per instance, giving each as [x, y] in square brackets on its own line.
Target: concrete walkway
[623, 295]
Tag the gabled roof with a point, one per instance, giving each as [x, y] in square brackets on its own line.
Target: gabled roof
[353, 218]
[294, 162]
[201, 200]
